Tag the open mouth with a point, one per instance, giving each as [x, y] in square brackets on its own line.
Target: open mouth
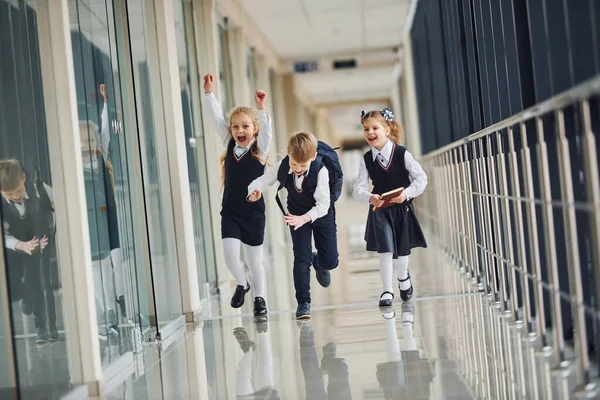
[242, 139]
[371, 139]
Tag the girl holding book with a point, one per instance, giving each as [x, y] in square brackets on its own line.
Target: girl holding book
[392, 226]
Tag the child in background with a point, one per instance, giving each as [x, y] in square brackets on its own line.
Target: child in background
[393, 231]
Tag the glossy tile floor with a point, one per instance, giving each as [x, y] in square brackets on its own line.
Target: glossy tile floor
[448, 343]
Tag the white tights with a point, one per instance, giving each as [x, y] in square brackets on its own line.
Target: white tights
[390, 267]
[232, 248]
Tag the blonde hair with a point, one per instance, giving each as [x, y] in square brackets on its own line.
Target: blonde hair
[254, 149]
[302, 146]
[11, 175]
[396, 131]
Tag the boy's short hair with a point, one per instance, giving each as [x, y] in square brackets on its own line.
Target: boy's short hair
[302, 147]
[11, 175]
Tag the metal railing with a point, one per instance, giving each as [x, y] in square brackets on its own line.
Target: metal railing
[516, 204]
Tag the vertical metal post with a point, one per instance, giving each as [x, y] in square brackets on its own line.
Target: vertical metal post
[550, 244]
[508, 230]
[592, 186]
[497, 224]
[520, 256]
[485, 181]
[538, 294]
[572, 244]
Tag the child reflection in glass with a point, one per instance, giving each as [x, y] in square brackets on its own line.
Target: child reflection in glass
[98, 175]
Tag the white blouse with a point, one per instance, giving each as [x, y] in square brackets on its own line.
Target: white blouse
[418, 177]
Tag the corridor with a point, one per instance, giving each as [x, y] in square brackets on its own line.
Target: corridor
[138, 147]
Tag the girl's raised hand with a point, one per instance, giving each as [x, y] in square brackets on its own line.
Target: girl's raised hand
[260, 98]
[208, 83]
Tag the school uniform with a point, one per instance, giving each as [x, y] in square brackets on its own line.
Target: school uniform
[101, 208]
[394, 229]
[32, 217]
[307, 194]
[241, 219]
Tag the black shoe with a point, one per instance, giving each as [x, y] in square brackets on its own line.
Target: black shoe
[303, 310]
[260, 307]
[121, 303]
[386, 302]
[238, 297]
[54, 335]
[407, 294]
[243, 340]
[323, 275]
[42, 337]
[26, 307]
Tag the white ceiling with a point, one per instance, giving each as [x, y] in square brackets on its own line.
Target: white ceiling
[304, 28]
[321, 30]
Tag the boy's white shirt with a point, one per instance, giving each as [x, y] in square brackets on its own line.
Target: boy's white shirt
[222, 128]
[10, 242]
[418, 177]
[322, 193]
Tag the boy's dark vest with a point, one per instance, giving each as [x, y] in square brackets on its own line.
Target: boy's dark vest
[239, 173]
[38, 218]
[392, 177]
[300, 202]
[100, 200]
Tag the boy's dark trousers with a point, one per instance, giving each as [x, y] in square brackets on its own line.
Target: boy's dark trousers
[325, 232]
[38, 292]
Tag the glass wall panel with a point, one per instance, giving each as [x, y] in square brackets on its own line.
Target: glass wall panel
[154, 160]
[106, 174]
[185, 31]
[33, 349]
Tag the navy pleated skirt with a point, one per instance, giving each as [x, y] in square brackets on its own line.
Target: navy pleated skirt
[394, 230]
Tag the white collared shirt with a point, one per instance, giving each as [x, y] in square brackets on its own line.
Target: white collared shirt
[418, 177]
[222, 128]
[9, 240]
[322, 193]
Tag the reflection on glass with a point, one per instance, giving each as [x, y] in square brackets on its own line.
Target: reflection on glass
[405, 375]
[105, 173]
[31, 281]
[257, 363]
[314, 376]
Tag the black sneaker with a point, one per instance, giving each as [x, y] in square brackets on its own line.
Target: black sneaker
[42, 337]
[407, 294]
[323, 275]
[303, 311]
[26, 307]
[54, 335]
[238, 297]
[260, 307]
[243, 340]
[385, 302]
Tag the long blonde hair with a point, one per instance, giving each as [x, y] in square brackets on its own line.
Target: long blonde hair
[396, 131]
[254, 149]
